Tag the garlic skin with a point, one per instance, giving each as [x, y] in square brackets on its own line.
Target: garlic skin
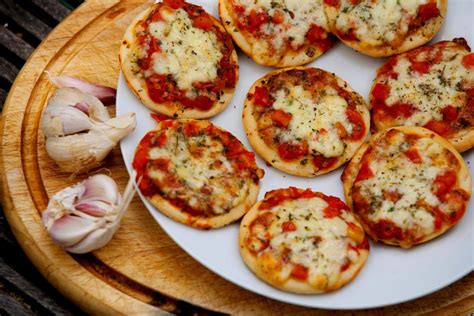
[85, 216]
[79, 131]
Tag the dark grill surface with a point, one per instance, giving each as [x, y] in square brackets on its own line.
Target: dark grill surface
[23, 25]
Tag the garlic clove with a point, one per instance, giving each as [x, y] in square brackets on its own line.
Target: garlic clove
[72, 96]
[82, 106]
[74, 219]
[119, 127]
[95, 240]
[105, 94]
[101, 188]
[64, 120]
[79, 153]
[69, 230]
[94, 208]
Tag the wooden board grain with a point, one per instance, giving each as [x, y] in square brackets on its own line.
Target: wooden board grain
[141, 271]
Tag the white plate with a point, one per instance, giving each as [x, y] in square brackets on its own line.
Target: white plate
[391, 275]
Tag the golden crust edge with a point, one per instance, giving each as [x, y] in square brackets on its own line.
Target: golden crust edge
[412, 41]
[138, 86]
[175, 213]
[352, 168]
[289, 59]
[271, 156]
[291, 285]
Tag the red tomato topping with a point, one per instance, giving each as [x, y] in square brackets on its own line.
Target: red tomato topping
[391, 195]
[441, 128]
[364, 173]
[386, 229]
[300, 272]
[381, 91]
[245, 161]
[413, 155]
[401, 110]
[175, 4]
[321, 162]
[158, 117]
[468, 60]
[255, 19]
[264, 219]
[290, 151]
[445, 183]
[278, 17]
[316, 33]
[191, 129]
[334, 208]
[140, 160]
[345, 265]
[203, 22]
[155, 16]
[387, 68]
[450, 113]
[281, 118]
[161, 163]
[428, 11]
[261, 97]
[330, 212]
[358, 125]
[288, 226]
[201, 102]
[333, 3]
[420, 67]
[233, 149]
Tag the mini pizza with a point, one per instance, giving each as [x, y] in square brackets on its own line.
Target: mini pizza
[304, 121]
[385, 27]
[431, 87]
[303, 241]
[278, 33]
[407, 185]
[179, 61]
[196, 173]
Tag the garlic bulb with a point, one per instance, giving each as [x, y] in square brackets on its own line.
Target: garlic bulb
[79, 131]
[85, 216]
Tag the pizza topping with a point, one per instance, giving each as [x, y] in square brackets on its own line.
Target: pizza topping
[308, 115]
[183, 56]
[404, 194]
[306, 237]
[430, 88]
[382, 22]
[284, 24]
[314, 120]
[203, 170]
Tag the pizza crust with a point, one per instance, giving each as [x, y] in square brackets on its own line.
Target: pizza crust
[352, 169]
[177, 214]
[422, 35]
[462, 140]
[138, 85]
[255, 48]
[272, 157]
[291, 285]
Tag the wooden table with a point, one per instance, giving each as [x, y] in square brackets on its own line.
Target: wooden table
[141, 270]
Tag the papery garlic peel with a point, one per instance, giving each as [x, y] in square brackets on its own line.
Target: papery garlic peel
[85, 216]
[79, 131]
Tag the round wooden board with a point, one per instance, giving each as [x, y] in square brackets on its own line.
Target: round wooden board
[142, 270]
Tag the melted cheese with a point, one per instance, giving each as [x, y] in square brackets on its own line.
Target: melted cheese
[378, 22]
[414, 182]
[188, 53]
[208, 179]
[432, 91]
[310, 116]
[325, 257]
[306, 13]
